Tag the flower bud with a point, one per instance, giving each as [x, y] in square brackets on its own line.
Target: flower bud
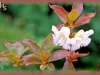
[42, 67]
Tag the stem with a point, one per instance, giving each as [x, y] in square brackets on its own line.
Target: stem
[19, 69]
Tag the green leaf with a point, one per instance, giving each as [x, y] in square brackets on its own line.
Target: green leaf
[57, 55]
[47, 44]
[50, 66]
[33, 47]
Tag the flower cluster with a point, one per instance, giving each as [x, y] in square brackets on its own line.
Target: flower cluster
[79, 39]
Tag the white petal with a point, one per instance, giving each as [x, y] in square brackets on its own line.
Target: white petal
[56, 39]
[55, 30]
[86, 42]
[80, 32]
[63, 41]
[65, 31]
[72, 41]
[88, 33]
[66, 46]
[76, 46]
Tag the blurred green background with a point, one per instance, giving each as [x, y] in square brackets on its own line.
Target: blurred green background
[34, 21]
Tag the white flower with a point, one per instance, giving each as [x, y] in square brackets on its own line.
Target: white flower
[85, 40]
[60, 37]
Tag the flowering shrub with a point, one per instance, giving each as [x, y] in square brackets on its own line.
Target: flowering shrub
[62, 36]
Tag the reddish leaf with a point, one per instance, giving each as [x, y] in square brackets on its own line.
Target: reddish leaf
[50, 66]
[79, 7]
[59, 26]
[47, 44]
[57, 55]
[61, 12]
[31, 60]
[84, 19]
[68, 66]
[10, 47]
[77, 54]
[15, 48]
[33, 46]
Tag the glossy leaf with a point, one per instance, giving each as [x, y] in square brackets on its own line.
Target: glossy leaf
[33, 46]
[47, 44]
[61, 12]
[84, 19]
[79, 7]
[57, 55]
[31, 60]
[50, 66]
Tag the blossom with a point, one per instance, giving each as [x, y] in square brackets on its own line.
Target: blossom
[85, 40]
[61, 38]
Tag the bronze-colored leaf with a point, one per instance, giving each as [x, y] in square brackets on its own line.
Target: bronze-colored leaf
[68, 66]
[57, 55]
[61, 12]
[75, 55]
[84, 19]
[31, 60]
[47, 44]
[15, 48]
[33, 46]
